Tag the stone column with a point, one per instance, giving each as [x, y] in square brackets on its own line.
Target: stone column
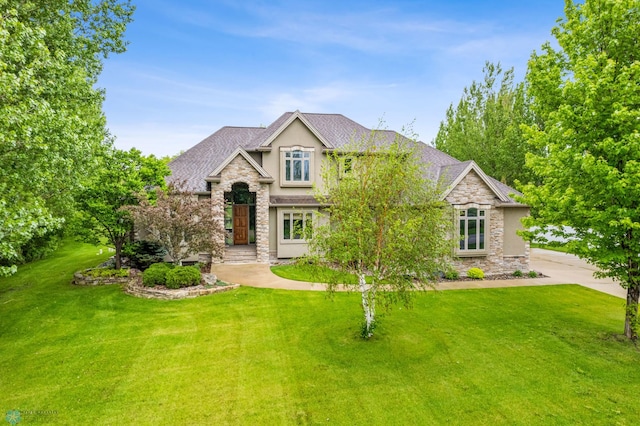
[217, 205]
[262, 224]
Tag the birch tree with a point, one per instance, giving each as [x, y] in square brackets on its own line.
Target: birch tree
[386, 223]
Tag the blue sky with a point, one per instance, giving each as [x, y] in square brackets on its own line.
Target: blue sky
[193, 66]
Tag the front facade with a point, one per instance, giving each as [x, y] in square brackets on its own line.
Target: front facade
[260, 180]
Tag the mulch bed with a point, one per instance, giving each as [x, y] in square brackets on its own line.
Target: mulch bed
[495, 277]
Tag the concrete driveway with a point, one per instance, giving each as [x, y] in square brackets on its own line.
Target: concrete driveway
[569, 269]
[560, 268]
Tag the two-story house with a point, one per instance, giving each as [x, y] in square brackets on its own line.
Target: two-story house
[262, 178]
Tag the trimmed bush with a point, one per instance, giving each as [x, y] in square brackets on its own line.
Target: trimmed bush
[517, 273]
[533, 274]
[156, 274]
[183, 276]
[475, 273]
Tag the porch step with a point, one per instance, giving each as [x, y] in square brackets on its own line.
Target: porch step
[240, 254]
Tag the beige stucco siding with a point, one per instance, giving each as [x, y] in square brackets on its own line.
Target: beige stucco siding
[257, 157]
[273, 237]
[297, 134]
[514, 245]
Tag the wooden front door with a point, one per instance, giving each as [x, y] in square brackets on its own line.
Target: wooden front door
[240, 224]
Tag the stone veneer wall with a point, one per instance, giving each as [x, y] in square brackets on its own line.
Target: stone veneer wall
[470, 190]
[135, 289]
[239, 170]
[81, 279]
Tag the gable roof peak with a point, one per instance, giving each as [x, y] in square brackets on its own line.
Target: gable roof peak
[287, 122]
[240, 152]
[469, 166]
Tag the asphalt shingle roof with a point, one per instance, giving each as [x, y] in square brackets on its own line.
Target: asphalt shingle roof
[194, 165]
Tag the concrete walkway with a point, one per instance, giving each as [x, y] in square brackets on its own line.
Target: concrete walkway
[560, 268]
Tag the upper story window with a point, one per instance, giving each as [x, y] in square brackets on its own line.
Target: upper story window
[297, 166]
[472, 228]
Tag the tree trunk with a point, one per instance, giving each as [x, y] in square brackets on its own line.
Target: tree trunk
[118, 256]
[631, 318]
[368, 306]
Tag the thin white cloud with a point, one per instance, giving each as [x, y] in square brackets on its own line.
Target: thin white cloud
[159, 85]
[326, 98]
[382, 30]
[159, 138]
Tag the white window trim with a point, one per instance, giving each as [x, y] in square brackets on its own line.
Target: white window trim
[304, 213]
[283, 171]
[487, 230]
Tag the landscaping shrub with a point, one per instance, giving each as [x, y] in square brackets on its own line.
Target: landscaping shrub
[156, 274]
[143, 253]
[40, 247]
[475, 273]
[183, 276]
[106, 273]
[533, 274]
[452, 275]
[517, 273]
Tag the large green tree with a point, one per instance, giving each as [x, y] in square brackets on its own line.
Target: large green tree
[386, 222]
[587, 95]
[51, 120]
[124, 178]
[485, 126]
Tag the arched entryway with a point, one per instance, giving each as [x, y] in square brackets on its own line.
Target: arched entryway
[240, 215]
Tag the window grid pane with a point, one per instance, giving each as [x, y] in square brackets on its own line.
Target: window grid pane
[297, 170]
[287, 226]
[297, 226]
[472, 229]
[473, 234]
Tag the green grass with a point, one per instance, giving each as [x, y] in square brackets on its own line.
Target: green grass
[529, 355]
[314, 274]
[560, 248]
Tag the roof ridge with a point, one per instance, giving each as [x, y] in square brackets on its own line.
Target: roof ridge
[322, 113]
[241, 127]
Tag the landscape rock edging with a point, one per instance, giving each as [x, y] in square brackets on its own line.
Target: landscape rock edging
[79, 278]
[135, 288]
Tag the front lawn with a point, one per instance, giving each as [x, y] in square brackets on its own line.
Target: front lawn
[555, 247]
[313, 274]
[528, 355]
